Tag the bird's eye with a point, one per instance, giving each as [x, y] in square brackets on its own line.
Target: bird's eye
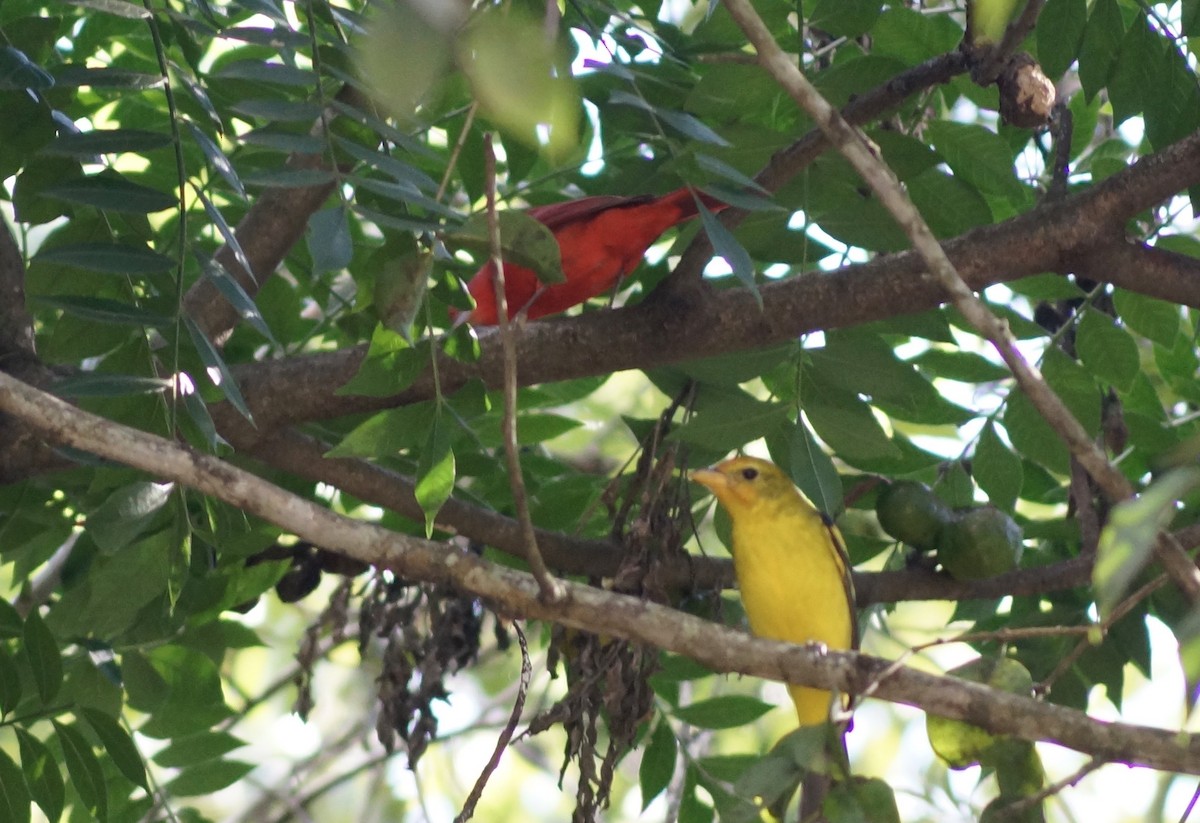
[749, 474]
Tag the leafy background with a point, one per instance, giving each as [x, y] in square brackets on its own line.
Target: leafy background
[152, 152]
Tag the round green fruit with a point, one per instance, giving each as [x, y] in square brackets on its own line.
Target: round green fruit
[979, 543]
[910, 512]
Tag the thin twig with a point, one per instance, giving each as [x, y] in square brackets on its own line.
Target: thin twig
[854, 147]
[1008, 635]
[1191, 805]
[1123, 608]
[505, 734]
[452, 162]
[551, 591]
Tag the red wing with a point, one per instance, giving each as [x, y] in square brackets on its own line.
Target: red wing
[556, 215]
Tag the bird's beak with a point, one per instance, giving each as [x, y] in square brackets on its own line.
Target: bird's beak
[711, 479]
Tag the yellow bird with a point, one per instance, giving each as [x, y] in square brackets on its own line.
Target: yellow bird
[791, 565]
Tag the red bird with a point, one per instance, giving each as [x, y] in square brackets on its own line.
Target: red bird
[602, 239]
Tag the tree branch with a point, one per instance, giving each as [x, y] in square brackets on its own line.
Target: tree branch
[703, 322]
[786, 163]
[1112, 483]
[512, 592]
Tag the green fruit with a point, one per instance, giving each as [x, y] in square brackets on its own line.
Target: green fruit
[1018, 765]
[961, 745]
[999, 811]
[910, 512]
[982, 542]
[860, 798]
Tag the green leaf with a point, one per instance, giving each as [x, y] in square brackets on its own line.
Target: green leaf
[127, 514]
[200, 747]
[211, 357]
[849, 427]
[261, 71]
[106, 141]
[844, 18]
[179, 686]
[978, 155]
[42, 776]
[227, 234]
[863, 364]
[119, 745]
[1135, 71]
[532, 428]
[232, 290]
[277, 110]
[727, 246]
[388, 432]
[219, 161]
[288, 178]
[1101, 46]
[768, 781]
[45, 661]
[517, 76]
[118, 586]
[862, 799]
[11, 624]
[963, 366]
[988, 19]
[684, 123]
[996, 469]
[10, 681]
[209, 777]
[950, 204]
[402, 56]
[1059, 34]
[435, 471]
[658, 762]
[724, 712]
[109, 385]
[1128, 539]
[1075, 385]
[400, 286]
[393, 167]
[724, 421]
[524, 241]
[14, 796]
[108, 258]
[912, 36]
[17, 71]
[104, 310]
[117, 8]
[737, 367]
[112, 192]
[812, 469]
[329, 240]
[198, 411]
[1107, 350]
[1155, 319]
[1032, 436]
[85, 771]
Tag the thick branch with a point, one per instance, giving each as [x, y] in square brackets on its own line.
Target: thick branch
[516, 593]
[266, 234]
[1055, 236]
[1147, 270]
[16, 326]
